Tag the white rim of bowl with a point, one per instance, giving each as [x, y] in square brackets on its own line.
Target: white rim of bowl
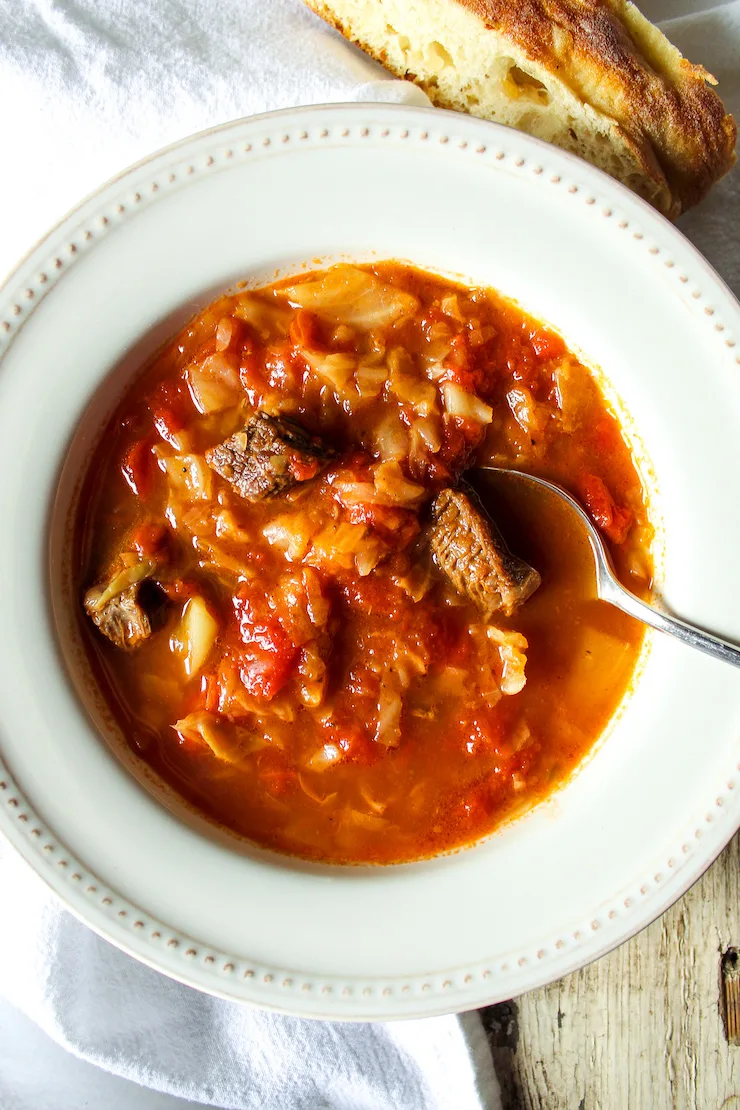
[157, 944]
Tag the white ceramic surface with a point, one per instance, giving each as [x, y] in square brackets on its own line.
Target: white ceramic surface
[661, 796]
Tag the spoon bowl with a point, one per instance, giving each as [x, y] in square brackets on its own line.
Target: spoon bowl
[610, 589]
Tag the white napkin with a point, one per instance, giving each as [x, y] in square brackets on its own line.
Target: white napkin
[86, 87]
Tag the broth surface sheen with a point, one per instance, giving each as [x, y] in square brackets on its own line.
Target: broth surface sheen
[309, 677]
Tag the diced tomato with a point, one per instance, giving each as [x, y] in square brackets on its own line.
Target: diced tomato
[437, 472]
[168, 424]
[374, 595]
[304, 330]
[303, 468]
[605, 436]
[171, 406]
[396, 527]
[211, 691]
[355, 744]
[138, 467]
[150, 539]
[352, 739]
[521, 362]
[444, 632]
[613, 521]
[546, 344]
[459, 365]
[460, 438]
[269, 654]
[252, 379]
[275, 778]
[477, 805]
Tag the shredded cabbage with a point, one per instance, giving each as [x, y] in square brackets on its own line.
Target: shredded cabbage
[265, 318]
[392, 485]
[530, 416]
[458, 402]
[335, 369]
[214, 384]
[369, 821]
[370, 380]
[326, 757]
[189, 476]
[228, 742]
[351, 296]
[291, 534]
[390, 707]
[96, 598]
[391, 438]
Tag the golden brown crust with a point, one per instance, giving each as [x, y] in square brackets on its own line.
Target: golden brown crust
[613, 59]
[663, 99]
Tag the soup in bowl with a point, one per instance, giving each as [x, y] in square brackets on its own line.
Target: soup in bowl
[306, 612]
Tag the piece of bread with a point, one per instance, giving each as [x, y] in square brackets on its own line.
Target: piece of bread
[592, 76]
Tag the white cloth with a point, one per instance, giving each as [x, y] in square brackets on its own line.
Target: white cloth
[86, 87]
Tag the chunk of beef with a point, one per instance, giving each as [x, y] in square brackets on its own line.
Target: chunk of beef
[123, 619]
[468, 547]
[269, 456]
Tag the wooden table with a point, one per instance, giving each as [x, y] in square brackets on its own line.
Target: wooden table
[641, 1029]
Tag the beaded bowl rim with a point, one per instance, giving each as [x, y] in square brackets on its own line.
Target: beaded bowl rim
[156, 943]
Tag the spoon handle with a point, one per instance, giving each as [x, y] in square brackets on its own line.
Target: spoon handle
[672, 626]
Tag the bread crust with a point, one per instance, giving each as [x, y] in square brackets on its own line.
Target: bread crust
[613, 59]
[664, 98]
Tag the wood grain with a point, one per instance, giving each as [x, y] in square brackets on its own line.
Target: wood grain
[642, 1027]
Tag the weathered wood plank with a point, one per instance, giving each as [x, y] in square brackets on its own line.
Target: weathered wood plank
[642, 1027]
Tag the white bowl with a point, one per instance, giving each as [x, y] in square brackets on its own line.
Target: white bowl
[659, 799]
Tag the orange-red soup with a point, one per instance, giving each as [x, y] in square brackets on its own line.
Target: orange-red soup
[312, 681]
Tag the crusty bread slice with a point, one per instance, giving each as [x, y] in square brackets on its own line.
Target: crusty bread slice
[592, 76]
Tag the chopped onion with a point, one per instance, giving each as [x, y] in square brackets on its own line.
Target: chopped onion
[355, 493]
[458, 402]
[352, 296]
[512, 647]
[530, 416]
[194, 635]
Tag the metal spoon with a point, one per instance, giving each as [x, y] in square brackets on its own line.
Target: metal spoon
[609, 588]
